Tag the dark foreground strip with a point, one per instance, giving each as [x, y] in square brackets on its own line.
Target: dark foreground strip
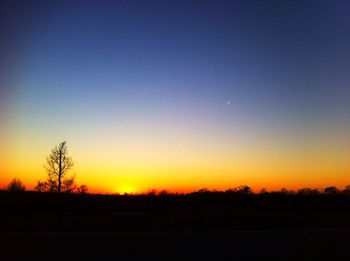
[324, 244]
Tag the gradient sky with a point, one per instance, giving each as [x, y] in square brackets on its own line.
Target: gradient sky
[177, 95]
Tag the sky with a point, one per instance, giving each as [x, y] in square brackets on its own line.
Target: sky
[177, 95]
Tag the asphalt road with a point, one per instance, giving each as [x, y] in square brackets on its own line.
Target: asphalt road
[235, 245]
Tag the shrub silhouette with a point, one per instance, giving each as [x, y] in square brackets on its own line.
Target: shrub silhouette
[308, 191]
[346, 189]
[82, 189]
[244, 189]
[331, 190]
[16, 185]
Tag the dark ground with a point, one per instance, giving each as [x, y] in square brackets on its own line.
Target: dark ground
[199, 226]
[233, 245]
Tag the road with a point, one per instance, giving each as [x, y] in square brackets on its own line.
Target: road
[327, 244]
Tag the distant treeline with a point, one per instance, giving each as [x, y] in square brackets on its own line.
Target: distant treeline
[52, 201]
[16, 185]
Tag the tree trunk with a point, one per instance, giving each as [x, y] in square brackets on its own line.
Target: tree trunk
[59, 173]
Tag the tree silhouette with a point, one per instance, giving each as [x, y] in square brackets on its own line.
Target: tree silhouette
[16, 185]
[58, 166]
[41, 186]
[244, 189]
[331, 190]
[82, 189]
[284, 191]
[308, 191]
[346, 189]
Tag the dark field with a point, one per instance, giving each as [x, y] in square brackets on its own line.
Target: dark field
[233, 245]
[212, 211]
[197, 226]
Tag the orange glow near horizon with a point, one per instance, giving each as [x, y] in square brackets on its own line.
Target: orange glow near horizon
[137, 170]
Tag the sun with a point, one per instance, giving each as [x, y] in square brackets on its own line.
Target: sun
[126, 189]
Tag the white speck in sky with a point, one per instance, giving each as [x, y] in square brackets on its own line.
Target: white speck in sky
[228, 102]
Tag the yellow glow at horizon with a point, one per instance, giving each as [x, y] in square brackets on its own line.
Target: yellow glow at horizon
[125, 188]
[134, 164]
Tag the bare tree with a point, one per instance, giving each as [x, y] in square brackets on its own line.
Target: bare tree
[16, 185]
[58, 166]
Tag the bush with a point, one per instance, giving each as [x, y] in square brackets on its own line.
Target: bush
[16, 185]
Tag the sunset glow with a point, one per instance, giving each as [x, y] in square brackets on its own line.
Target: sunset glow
[193, 95]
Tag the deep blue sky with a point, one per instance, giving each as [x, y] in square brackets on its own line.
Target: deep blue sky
[284, 55]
